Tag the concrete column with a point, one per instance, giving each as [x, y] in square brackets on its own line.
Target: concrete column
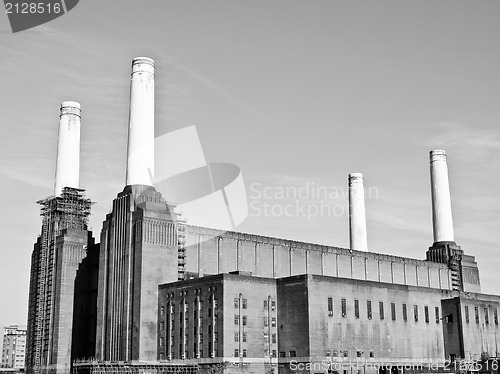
[440, 193]
[357, 214]
[68, 148]
[140, 152]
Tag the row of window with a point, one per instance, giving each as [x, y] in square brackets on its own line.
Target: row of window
[485, 312]
[381, 310]
[244, 303]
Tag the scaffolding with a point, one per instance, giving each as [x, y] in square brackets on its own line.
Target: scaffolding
[70, 210]
[136, 367]
[181, 249]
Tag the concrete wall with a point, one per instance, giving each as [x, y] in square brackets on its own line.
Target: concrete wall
[213, 251]
[466, 336]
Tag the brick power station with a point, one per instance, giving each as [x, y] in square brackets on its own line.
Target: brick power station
[160, 295]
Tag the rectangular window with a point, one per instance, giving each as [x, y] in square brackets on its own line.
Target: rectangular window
[162, 341]
[393, 311]
[436, 312]
[236, 337]
[466, 311]
[476, 312]
[273, 305]
[244, 306]
[244, 320]
[162, 310]
[282, 354]
[343, 302]
[486, 316]
[415, 312]
[273, 322]
[244, 337]
[244, 353]
[293, 354]
[381, 309]
[266, 322]
[162, 325]
[405, 313]
[236, 353]
[330, 306]
[356, 308]
[426, 313]
[273, 338]
[369, 309]
[495, 316]
[236, 302]
[236, 319]
[265, 304]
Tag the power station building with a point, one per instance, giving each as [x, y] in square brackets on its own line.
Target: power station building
[161, 295]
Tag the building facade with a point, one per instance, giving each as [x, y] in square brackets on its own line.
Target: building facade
[14, 347]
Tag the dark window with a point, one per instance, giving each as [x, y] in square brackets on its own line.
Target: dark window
[381, 309]
[426, 313]
[236, 319]
[293, 354]
[356, 308]
[369, 309]
[449, 318]
[466, 311]
[405, 313]
[330, 306]
[273, 321]
[344, 307]
[273, 340]
[244, 320]
[372, 354]
[436, 311]
[244, 337]
[476, 312]
[244, 306]
[236, 353]
[486, 316]
[273, 353]
[244, 353]
[266, 322]
[393, 311]
[415, 312]
[236, 337]
[358, 353]
[273, 305]
[282, 354]
[495, 316]
[236, 302]
[265, 304]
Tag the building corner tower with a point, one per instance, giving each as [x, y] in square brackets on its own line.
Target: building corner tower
[139, 246]
[464, 270]
[60, 248]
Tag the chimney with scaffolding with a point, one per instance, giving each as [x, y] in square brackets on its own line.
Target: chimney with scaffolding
[62, 245]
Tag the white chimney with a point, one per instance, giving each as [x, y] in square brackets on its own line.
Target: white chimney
[68, 148]
[441, 202]
[357, 215]
[140, 152]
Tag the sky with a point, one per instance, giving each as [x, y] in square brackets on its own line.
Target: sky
[298, 94]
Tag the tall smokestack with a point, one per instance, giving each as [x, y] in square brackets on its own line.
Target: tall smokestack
[357, 215]
[140, 152]
[441, 203]
[68, 147]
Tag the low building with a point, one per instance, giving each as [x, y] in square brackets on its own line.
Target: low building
[14, 347]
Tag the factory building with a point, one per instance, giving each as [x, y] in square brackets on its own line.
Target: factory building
[161, 295]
